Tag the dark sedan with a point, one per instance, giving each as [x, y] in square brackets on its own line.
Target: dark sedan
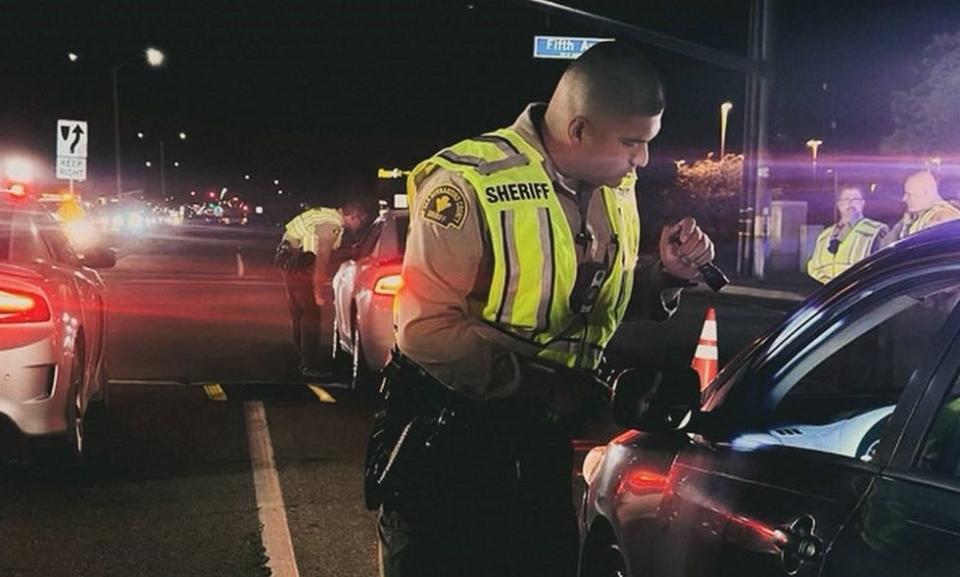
[830, 447]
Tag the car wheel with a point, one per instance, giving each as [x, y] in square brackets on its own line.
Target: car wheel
[68, 449]
[604, 558]
[611, 562]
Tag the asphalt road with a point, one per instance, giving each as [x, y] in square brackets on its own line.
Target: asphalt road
[169, 489]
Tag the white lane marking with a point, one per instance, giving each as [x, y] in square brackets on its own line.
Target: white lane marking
[239, 264]
[273, 514]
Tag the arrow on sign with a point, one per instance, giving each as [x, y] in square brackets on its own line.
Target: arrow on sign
[77, 133]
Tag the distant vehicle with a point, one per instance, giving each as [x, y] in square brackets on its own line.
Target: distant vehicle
[363, 290]
[830, 447]
[52, 329]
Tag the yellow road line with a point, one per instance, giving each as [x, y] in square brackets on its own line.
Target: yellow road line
[322, 394]
[215, 392]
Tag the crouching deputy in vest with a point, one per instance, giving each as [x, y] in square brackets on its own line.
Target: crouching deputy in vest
[521, 262]
[852, 239]
[308, 257]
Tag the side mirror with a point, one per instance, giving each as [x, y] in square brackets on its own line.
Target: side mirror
[98, 258]
[656, 401]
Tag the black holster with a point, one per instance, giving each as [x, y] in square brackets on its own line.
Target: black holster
[419, 418]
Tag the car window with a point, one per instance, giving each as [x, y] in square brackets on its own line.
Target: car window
[19, 237]
[6, 234]
[940, 452]
[843, 386]
[369, 242]
[394, 237]
[55, 239]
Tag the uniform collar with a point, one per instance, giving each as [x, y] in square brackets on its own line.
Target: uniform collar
[528, 126]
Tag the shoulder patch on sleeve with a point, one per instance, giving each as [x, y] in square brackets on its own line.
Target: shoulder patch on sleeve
[446, 206]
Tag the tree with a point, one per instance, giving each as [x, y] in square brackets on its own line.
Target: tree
[926, 116]
[709, 191]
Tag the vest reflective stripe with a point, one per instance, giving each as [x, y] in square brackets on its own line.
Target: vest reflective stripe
[301, 230]
[926, 217]
[855, 247]
[534, 256]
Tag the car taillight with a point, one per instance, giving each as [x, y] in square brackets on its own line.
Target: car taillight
[388, 285]
[22, 307]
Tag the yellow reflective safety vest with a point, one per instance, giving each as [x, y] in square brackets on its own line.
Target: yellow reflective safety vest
[855, 247]
[534, 256]
[301, 230]
[925, 218]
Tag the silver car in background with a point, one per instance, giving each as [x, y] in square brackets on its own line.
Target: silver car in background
[363, 289]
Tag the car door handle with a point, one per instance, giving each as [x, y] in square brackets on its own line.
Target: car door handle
[799, 544]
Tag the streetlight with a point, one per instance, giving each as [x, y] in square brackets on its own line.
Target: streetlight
[72, 56]
[163, 162]
[724, 111]
[276, 182]
[814, 145]
[155, 59]
[246, 177]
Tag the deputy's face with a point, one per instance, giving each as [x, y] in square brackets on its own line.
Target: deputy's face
[850, 205]
[913, 195]
[612, 147]
[352, 223]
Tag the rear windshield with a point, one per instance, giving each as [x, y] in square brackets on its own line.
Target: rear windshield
[403, 223]
[6, 234]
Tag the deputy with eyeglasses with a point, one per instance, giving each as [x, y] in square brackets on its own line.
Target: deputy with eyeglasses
[852, 239]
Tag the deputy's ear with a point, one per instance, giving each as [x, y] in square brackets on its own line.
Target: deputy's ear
[576, 129]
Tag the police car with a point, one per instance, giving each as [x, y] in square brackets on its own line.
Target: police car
[831, 446]
[52, 329]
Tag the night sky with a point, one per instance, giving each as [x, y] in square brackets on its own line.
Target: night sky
[320, 94]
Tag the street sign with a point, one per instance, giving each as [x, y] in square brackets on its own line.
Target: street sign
[72, 137]
[563, 47]
[69, 168]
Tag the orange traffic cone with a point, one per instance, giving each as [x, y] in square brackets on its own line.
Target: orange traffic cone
[706, 358]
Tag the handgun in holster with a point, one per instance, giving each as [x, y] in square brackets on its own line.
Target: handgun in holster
[407, 431]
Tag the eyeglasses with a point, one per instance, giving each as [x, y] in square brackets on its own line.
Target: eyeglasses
[848, 200]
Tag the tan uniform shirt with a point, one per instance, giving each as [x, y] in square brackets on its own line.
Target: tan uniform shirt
[312, 229]
[447, 271]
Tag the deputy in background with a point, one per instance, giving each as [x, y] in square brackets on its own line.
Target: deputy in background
[925, 207]
[852, 239]
[306, 256]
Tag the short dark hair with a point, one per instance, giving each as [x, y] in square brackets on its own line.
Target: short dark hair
[357, 208]
[850, 186]
[619, 79]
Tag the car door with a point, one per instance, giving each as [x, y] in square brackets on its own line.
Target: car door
[85, 284]
[345, 282]
[909, 522]
[798, 435]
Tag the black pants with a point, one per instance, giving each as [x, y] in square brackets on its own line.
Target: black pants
[492, 499]
[307, 320]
